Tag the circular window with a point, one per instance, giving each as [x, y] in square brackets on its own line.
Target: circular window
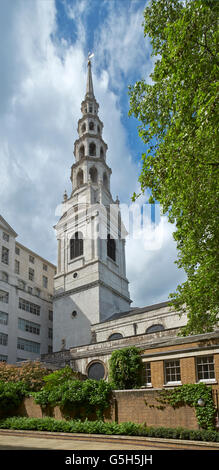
[96, 371]
[75, 275]
[74, 313]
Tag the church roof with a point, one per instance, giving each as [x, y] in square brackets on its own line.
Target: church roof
[136, 310]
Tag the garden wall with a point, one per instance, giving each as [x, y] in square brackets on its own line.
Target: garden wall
[138, 406]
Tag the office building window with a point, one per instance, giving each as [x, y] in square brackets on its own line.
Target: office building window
[31, 274]
[5, 236]
[5, 255]
[172, 371]
[3, 339]
[28, 326]
[16, 267]
[3, 318]
[50, 333]
[205, 368]
[45, 282]
[3, 358]
[51, 315]
[29, 346]
[4, 296]
[29, 307]
[4, 276]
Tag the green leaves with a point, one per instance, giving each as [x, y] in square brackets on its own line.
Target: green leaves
[189, 394]
[83, 397]
[125, 368]
[11, 396]
[179, 121]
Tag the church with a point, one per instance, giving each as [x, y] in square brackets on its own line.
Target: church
[92, 313]
[78, 312]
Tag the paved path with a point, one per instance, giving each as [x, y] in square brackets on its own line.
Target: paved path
[33, 440]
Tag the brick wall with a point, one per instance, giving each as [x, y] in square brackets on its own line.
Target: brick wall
[141, 406]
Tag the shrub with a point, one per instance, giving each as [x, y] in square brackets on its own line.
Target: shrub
[126, 368]
[100, 427]
[58, 377]
[30, 373]
[11, 395]
[84, 398]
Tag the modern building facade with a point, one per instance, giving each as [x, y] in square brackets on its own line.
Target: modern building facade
[90, 284]
[26, 293]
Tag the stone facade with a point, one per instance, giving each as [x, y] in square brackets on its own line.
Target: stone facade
[26, 290]
[90, 284]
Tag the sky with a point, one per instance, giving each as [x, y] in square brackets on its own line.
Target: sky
[44, 46]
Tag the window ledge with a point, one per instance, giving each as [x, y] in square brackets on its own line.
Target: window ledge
[148, 385]
[112, 261]
[207, 381]
[172, 384]
[78, 258]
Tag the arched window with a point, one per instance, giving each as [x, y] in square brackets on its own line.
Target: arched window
[76, 245]
[105, 180]
[80, 177]
[96, 370]
[92, 149]
[91, 126]
[101, 152]
[154, 328]
[81, 151]
[115, 336]
[111, 247]
[93, 174]
[83, 128]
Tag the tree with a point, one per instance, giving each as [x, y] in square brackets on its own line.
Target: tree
[126, 368]
[179, 117]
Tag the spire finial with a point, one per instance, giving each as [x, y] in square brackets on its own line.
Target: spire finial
[89, 89]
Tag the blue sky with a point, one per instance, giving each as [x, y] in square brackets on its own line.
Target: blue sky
[43, 55]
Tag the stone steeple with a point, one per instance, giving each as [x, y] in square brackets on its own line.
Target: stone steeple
[90, 148]
[91, 282]
[89, 89]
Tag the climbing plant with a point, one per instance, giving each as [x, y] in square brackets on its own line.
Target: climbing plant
[190, 394]
[126, 368]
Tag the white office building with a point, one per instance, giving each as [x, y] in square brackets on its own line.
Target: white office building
[26, 293]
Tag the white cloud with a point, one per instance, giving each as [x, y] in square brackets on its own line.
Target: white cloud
[42, 85]
[150, 266]
[120, 44]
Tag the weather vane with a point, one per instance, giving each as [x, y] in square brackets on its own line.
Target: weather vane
[90, 55]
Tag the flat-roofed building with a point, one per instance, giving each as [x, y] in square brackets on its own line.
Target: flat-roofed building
[26, 294]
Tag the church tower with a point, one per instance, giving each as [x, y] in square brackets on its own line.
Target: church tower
[90, 284]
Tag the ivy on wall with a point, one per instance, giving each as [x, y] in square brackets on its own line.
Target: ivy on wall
[125, 368]
[190, 394]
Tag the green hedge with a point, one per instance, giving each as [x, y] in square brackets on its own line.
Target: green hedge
[83, 398]
[101, 427]
[11, 396]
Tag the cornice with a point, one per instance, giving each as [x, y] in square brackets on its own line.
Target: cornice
[91, 285]
[91, 159]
